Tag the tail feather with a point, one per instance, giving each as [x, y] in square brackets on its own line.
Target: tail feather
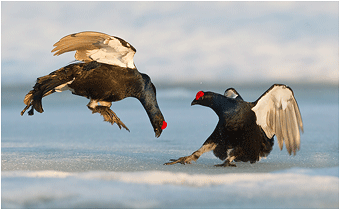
[28, 97]
[45, 86]
[28, 101]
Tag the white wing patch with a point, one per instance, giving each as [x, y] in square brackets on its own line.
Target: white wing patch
[95, 46]
[64, 86]
[278, 114]
[230, 93]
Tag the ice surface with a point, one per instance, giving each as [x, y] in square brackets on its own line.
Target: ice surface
[69, 158]
[158, 189]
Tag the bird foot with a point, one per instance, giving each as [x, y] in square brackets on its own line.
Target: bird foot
[226, 164]
[109, 116]
[182, 160]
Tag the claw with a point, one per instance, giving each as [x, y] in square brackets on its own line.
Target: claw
[182, 160]
[172, 160]
[109, 116]
[226, 164]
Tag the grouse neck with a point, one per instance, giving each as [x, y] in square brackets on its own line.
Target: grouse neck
[150, 105]
[149, 102]
[221, 104]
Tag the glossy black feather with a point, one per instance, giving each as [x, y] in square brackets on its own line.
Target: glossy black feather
[236, 128]
[245, 130]
[99, 82]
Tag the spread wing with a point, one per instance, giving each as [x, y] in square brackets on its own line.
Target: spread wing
[95, 46]
[278, 114]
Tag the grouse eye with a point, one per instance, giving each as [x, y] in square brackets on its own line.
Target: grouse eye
[199, 95]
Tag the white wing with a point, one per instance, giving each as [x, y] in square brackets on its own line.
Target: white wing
[95, 46]
[278, 114]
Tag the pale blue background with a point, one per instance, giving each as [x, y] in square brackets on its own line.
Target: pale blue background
[180, 42]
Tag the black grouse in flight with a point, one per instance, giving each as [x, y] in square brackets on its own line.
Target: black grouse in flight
[245, 130]
[106, 74]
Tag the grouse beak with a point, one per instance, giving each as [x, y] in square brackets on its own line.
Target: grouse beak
[194, 102]
[158, 132]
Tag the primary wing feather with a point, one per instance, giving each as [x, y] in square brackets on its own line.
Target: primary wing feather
[79, 41]
[278, 114]
[103, 48]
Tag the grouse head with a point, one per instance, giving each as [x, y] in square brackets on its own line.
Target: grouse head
[204, 98]
[159, 127]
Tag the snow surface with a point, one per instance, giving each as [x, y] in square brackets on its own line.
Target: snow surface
[293, 188]
[69, 158]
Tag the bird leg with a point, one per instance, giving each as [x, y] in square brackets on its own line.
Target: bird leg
[106, 112]
[194, 156]
[227, 162]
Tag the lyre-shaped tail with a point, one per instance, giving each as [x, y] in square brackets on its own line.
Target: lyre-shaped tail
[46, 85]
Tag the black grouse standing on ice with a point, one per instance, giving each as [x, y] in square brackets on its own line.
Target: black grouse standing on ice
[245, 130]
[107, 74]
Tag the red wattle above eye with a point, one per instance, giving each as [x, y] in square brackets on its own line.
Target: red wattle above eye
[164, 125]
[199, 95]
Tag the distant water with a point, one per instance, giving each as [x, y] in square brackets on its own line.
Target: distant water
[69, 158]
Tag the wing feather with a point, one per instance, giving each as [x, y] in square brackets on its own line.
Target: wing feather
[95, 46]
[284, 127]
[277, 130]
[295, 129]
[232, 93]
[270, 120]
[290, 128]
[278, 114]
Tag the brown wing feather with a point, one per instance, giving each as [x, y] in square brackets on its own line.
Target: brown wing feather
[81, 42]
[103, 48]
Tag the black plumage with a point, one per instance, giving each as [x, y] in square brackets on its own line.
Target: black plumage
[102, 83]
[245, 130]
